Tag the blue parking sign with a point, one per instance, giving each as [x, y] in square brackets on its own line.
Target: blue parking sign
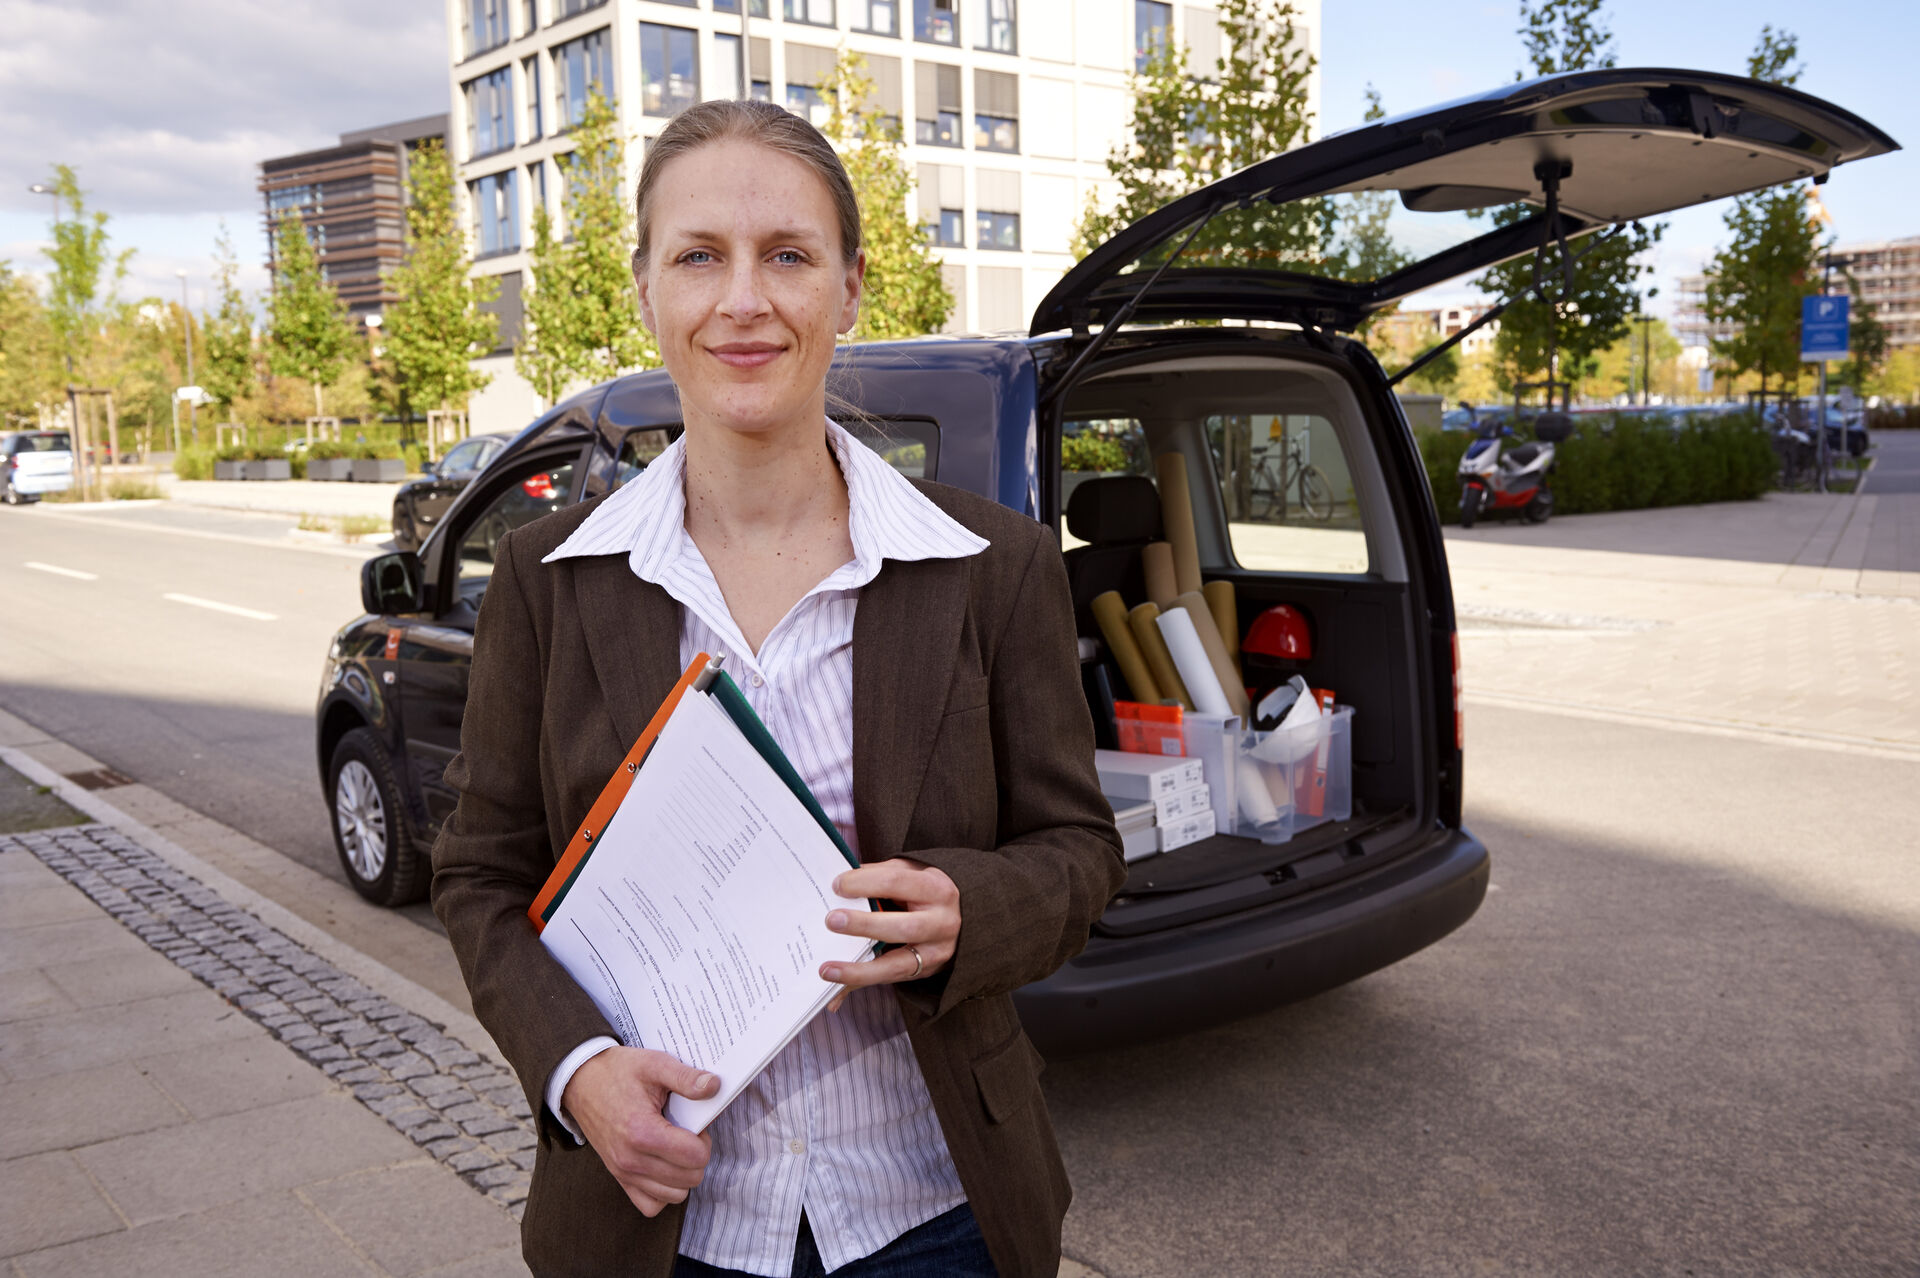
[1823, 328]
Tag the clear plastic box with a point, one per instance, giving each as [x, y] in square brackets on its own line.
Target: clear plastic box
[1293, 779]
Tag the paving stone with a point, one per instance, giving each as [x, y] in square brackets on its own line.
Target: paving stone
[493, 1176]
[472, 1160]
[488, 1123]
[430, 1134]
[459, 1102]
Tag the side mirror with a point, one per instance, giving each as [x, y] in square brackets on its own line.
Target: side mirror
[392, 583]
[427, 467]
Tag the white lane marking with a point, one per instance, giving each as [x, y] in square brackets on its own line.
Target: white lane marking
[233, 610]
[58, 571]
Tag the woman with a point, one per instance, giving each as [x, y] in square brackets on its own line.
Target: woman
[912, 648]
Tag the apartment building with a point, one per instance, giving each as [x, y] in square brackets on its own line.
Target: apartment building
[352, 199]
[1008, 109]
[1888, 272]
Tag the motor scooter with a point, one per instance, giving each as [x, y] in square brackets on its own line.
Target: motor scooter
[1496, 477]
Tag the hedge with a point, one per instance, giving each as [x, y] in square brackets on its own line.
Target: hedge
[1629, 463]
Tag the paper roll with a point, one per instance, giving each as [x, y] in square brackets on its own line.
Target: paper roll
[1156, 564]
[1176, 515]
[1190, 659]
[1226, 615]
[1194, 603]
[1153, 647]
[1111, 612]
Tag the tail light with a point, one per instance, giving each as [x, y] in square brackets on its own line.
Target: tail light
[539, 487]
[1459, 715]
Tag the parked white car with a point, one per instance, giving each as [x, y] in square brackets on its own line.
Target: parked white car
[33, 462]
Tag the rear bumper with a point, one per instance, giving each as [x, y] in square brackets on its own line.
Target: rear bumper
[27, 482]
[1124, 991]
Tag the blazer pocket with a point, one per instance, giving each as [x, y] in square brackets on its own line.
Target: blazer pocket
[968, 694]
[1008, 1077]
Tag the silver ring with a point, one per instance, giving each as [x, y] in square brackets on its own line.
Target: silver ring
[918, 963]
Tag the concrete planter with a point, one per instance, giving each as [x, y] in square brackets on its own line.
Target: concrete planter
[273, 468]
[383, 470]
[330, 468]
[229, 470]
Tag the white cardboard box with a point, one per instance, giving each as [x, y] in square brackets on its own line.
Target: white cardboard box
[1188, 830]
[1140, 843]
[1127, 775]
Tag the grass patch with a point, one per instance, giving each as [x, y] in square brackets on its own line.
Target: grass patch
[25, 806]
[343, 525]
[133, 490]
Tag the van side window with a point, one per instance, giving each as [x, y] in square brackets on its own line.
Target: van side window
[1095, 448]
[909, 444]
[1287, 493]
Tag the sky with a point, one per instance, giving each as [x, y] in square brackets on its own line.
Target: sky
[166, 109]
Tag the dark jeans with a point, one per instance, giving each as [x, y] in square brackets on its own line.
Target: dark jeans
[948, 1246]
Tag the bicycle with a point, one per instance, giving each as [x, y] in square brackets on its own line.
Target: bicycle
[1278, 471]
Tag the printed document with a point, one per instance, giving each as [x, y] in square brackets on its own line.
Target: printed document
[698, 924]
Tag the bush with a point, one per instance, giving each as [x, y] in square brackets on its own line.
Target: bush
[1894, 417]
[328, 450]
[133, 490]
[373, 451]
[416, 458]
[1091, 452]
[193, 463]
[297, 465]
[233, 452]
[1630, 463]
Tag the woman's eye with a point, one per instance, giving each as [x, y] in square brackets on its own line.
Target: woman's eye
[696, 256]
[789, 257]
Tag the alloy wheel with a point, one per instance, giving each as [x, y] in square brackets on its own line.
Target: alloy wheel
[362, 817]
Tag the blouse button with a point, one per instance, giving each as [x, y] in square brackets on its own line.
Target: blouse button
[797, 1146]
[757, 681]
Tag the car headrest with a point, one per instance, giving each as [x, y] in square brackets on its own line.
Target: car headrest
[1115, 508]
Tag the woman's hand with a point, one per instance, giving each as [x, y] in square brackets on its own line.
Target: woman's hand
[617, 1098]
[928, 921]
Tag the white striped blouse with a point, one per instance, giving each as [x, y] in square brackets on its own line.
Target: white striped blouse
[840, 1123]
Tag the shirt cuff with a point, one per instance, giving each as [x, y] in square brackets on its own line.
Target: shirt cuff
[563, 1074]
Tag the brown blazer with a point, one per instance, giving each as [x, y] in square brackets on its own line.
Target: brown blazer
[973, 752]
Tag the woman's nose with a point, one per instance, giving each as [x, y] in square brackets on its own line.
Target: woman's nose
[744, 298]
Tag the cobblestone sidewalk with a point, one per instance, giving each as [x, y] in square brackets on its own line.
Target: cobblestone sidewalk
[464, 1112]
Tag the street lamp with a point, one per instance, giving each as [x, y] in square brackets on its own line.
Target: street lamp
[186, 323]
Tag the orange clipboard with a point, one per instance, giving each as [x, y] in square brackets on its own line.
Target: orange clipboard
[610, 799]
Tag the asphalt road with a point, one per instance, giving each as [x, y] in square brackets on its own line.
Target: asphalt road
[1680, 1037]
[1897, 467]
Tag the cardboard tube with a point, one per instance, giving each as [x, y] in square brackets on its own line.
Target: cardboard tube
[1176, 514]
[1156, 564]
[1190, 659]
[1111, 612]
[1226, 615]
[1153, 647]
[1216, 649]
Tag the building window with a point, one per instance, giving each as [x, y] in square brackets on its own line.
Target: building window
[936, 113]
[567, 8]
[935, 21]
[489, 113]
[484, 24]
[996, 107]
[808, 103]
[759, 66]
[537, 186]
[755, 9]
[530, 77]
[808, 67]
[580, 67]
[996, 230]
[1152, 30]
[947, 229]
[817, 13]
[669, 69]
[880, 17]
[991, 22]
[726, 66]
[496, 213]
[529, 17]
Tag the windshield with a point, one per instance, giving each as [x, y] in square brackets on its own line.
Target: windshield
[55, 443]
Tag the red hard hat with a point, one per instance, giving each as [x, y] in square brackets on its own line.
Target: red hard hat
[1280, 632]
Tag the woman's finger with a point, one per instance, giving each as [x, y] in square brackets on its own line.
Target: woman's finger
[890, 968]
[900, 927]
[898, 880]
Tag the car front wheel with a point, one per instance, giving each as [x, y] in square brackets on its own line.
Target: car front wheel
[370, 828]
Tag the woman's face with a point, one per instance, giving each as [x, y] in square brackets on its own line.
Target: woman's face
[745, 287]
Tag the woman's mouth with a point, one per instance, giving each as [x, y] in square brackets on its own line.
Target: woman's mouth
[745, 354]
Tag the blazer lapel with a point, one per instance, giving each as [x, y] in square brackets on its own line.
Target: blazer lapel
[632, 629]
[906, 635]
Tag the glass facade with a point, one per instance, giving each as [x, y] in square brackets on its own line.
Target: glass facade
[580, 66]
[808, 103]
[669, 69]
[1152, 29]
[881, 17]
[496, 213]
[489, 102]
[935, 21]
[947, 230]
[755, 8]
[567, 8]
[942, 130]
[484, 23]
[536, 98]
[995, 133]
[817, 13]
[996, 230]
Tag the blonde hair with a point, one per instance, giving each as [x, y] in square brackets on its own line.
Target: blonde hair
[763, 124]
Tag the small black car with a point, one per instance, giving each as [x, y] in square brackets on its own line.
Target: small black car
[1221, 356]
[420, 503]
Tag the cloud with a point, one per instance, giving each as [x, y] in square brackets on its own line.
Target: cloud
[170, 107]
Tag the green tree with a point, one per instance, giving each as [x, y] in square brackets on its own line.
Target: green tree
[1757, 280]
[432, 333]
[1868, 343]
[1441, 377]
[1553, 334]
[543, 353]
[29, 364]
[1188, 130]
[903, 295]
[309, 334]
[80, 257]
[226, 367]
